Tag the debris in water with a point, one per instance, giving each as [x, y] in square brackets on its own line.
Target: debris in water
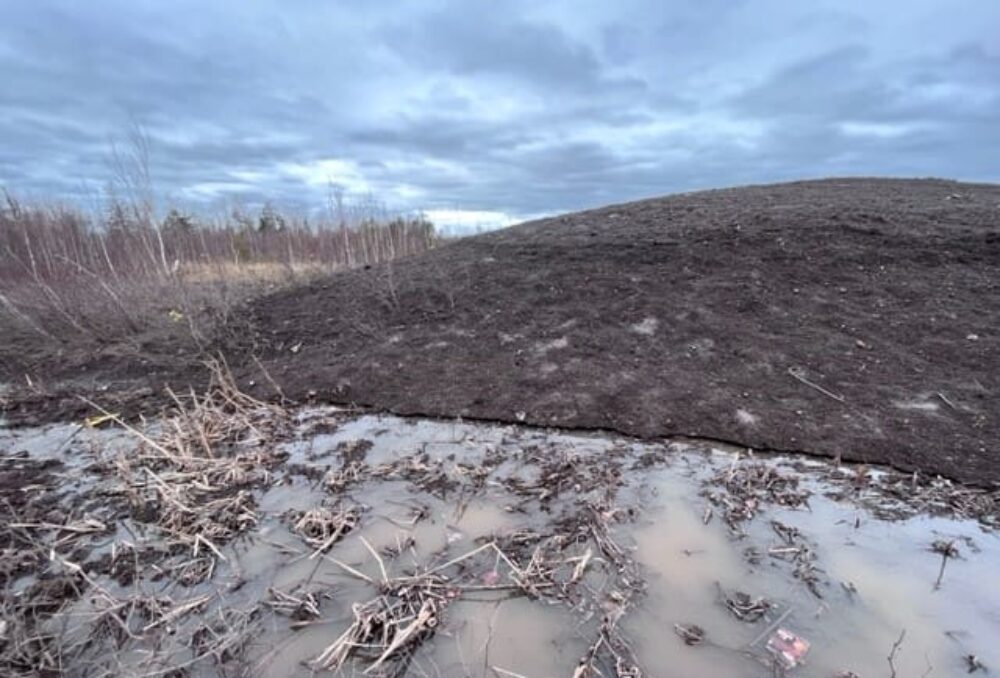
[972, 661]
[224, 494]
[691, 634]
[787, 648]
[454, 535]
[389, 627]
[491, 578]
[947, 549]
[321, 527]
[301, 607]
[893, 652]
[744, 607]
[748, 485]
[96, 420]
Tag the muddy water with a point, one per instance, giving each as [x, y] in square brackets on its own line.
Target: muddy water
[879, 576]
[876, 578]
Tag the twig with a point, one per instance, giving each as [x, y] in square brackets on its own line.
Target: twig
[946, 401]
[270, 379]
[892, 653]
[424, 617]
[454, 561]
[947, 549]
[505, 672]
[795, 373]
[351, 570]
[381, 564]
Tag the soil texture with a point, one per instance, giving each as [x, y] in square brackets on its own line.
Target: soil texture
[854, 318]
[846, 317]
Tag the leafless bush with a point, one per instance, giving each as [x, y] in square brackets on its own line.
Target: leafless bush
[66, 277]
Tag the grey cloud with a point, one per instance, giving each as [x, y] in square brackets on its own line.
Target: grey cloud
[468, 39]
[843, 84]
[517, 108]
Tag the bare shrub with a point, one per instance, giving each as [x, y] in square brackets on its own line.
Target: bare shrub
[66, 277]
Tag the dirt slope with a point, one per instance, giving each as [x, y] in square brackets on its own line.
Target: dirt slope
[853, 317]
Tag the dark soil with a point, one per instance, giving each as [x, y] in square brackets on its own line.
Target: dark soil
[842, 317]
[50, 383]
[28, 493]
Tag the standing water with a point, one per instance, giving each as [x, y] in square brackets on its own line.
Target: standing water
[322, 542]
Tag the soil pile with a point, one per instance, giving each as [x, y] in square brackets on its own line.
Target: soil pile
[847, 317]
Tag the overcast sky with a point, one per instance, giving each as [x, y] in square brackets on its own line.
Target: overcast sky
[485, 112]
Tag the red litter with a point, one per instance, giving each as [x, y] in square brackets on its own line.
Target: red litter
[788, 648]
[491, 578]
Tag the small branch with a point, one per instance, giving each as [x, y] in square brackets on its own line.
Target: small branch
[946, 401]
[892, 653]
[947, 549]
[797, 375]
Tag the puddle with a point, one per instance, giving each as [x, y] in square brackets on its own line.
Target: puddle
[528, 553]
[878, 580]
[507, 638]
[684, 560]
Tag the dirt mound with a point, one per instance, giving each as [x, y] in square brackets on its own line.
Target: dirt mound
[846, 317]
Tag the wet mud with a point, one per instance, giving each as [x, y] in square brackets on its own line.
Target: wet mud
[231, 537]
[851, 318]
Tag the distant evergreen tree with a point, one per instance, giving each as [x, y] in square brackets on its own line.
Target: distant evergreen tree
[178, 222]
[270, 219]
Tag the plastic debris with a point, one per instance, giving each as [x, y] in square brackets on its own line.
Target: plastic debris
[98, 419]
[787, 648]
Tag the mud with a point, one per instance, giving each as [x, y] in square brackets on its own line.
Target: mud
[852, 318]
[536, 553]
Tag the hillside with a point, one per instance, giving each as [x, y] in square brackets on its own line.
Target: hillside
[841, 317]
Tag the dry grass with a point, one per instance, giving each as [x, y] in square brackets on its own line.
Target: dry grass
[746, 486]
[201, 273]
[196, 468]
[69, 279]
[891, 495]
[191, 482]
[191, 479]
[322, 527]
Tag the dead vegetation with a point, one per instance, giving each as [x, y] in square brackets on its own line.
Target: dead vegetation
[742, 489]
[691, 634]
[323, 527]
[80, 279]
[302, 606]
[743, 606]
[947, 549]
[195, 471]
[192, 477]
[891, 495]
[391, 626]
[164, 591]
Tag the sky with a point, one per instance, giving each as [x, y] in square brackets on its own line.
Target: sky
[485, 113]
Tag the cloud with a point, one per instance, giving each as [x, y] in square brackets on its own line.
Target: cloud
[486, 41]
[480, 113]
[456, 221]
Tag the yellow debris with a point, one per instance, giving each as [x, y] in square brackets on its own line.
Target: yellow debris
[98, 419]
